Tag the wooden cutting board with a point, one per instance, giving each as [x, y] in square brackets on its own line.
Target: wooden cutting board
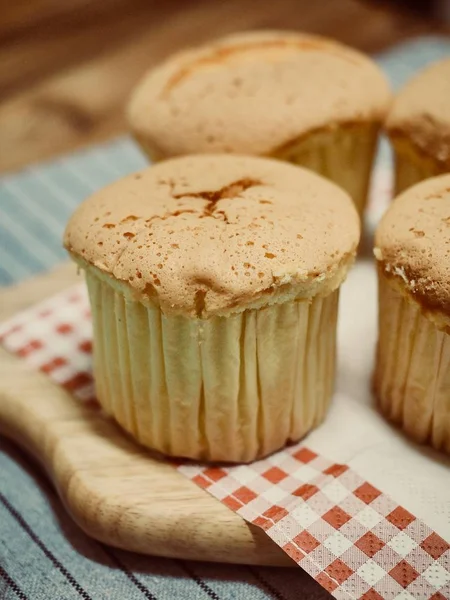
[116, 492]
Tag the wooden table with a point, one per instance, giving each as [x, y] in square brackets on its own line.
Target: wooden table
[67, 67]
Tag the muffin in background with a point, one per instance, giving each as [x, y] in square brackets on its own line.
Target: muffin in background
[418, 126]
[300, 98]
[213, 282]
[412, 375]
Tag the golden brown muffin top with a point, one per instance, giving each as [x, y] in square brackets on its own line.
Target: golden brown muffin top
[412, 242]
[421, 112]
[254, 93]
[214, 234]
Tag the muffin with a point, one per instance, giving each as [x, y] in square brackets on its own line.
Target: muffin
[418, 126]
[213, 281]
[412, 377]
[296, 97]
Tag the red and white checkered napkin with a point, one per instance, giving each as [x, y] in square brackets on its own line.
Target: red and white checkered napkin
[356, 541]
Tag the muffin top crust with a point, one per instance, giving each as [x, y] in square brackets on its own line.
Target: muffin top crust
[255, 93]
[420, 111]
[412, 243]
[217, 234]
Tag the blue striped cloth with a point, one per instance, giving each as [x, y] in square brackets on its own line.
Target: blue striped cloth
[43, 554]
[36, 203]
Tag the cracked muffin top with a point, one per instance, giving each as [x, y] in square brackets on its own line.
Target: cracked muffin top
[254, 93]
[217, 234]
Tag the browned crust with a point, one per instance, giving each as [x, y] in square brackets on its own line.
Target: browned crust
[405, 141]
[220, 54]
[426, 293]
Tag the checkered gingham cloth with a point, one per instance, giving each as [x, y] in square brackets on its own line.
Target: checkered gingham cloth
[352, 538]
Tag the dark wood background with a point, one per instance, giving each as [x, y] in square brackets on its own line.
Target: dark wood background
[67, 66]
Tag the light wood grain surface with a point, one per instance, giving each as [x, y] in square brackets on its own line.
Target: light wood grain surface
[114, 490]
[67, 68]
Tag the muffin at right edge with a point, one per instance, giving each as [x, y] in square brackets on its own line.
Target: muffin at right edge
[412, 374]
[418, 126]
